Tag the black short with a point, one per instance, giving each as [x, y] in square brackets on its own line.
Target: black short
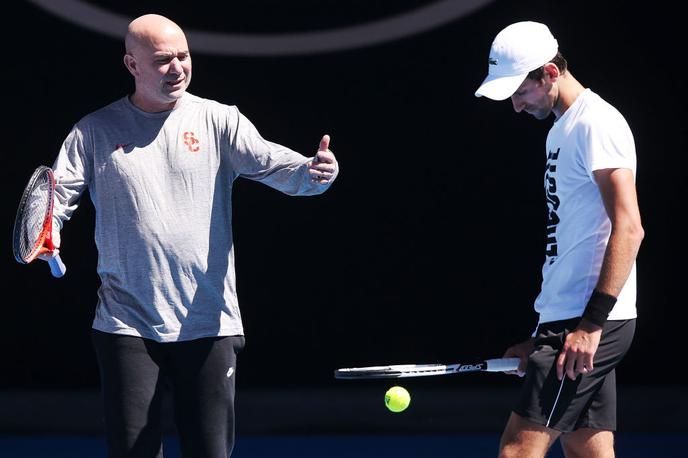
[587, 402]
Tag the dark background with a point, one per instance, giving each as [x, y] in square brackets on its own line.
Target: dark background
[427, 248]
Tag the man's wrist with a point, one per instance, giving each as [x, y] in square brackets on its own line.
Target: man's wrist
[598, 308]
[588, 326]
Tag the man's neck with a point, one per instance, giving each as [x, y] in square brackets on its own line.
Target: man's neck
[150, 106]
[569, 90]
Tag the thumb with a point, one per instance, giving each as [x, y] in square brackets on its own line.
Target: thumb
[561, 359]
[55, 236]
[324, 143]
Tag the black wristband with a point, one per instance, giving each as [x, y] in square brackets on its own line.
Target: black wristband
[598, 308]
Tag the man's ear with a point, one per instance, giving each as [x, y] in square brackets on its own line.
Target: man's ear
[551, 71]
[130, 63]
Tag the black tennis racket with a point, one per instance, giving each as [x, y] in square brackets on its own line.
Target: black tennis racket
[422, 370]
[33, 224]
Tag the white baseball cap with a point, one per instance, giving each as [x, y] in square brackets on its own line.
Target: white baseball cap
[516, 51]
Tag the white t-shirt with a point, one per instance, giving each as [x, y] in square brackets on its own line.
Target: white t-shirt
[590, 135]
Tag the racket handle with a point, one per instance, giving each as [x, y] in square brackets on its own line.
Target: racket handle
[57, 267]
[502, 364]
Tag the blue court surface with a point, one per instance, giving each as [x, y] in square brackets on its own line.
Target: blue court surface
[339, 446]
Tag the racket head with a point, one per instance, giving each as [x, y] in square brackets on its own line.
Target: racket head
[392, 371]
[32, 233]
[422, 370]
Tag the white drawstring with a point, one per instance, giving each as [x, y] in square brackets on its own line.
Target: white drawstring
[555, 401]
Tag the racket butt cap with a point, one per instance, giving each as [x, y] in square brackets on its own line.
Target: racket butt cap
[57, 267]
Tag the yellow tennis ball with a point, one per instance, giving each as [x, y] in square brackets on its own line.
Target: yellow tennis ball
[397, 399]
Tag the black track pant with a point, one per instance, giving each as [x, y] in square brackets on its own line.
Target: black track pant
[133, 373]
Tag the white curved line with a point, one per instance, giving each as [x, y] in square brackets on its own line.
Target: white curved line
[423, 19]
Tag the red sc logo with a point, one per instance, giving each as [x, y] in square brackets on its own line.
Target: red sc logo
[191, 142]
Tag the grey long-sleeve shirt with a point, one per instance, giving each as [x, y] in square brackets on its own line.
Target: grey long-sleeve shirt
[161, 184]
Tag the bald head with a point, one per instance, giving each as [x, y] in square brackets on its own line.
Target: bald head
[158, 57]
[148, 30]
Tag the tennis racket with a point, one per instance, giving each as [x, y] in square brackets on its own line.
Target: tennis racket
[33, 224]
[422, 370]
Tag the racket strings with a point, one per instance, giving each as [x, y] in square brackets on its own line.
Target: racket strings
[32, 216]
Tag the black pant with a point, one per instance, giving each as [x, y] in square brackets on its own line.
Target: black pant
[133, 372]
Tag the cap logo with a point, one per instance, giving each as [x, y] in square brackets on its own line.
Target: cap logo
[492, 61]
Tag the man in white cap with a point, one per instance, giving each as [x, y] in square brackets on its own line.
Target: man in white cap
[586, 304]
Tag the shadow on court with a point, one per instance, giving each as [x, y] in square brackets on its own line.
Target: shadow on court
[442, 422]
[339, 446]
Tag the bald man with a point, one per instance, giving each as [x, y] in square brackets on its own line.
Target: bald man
[159, 165]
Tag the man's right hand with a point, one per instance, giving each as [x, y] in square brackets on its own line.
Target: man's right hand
[522, 351]
[55, 237]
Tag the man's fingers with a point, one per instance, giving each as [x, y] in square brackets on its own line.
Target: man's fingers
[516, 373]
[324, 143]
[581, 364]
[48, 255]
[560, 365]
[585, 365]
[571, 368]
[523, 363]
[324, 146]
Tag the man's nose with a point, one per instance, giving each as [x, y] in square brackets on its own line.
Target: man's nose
[176, 66]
